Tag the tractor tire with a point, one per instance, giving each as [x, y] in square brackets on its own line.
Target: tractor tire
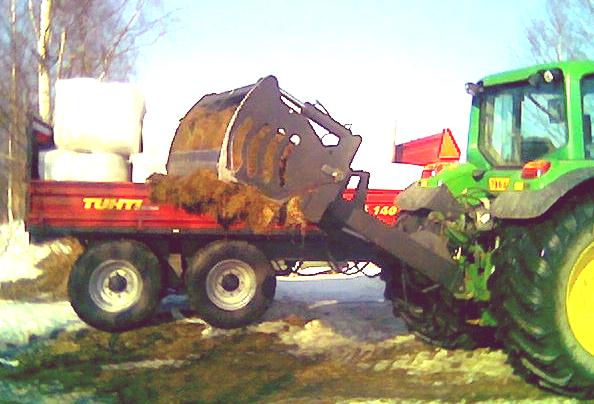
[542, 296]
[230, 284]
[115, 285]
[428, 309]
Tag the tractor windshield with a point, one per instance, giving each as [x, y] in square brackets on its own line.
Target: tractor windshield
[522, 122]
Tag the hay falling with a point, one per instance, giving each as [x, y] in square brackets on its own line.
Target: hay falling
[256, 148]
[202, 193]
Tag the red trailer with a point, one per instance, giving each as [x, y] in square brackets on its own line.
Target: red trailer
[130, 240]
[136, 250]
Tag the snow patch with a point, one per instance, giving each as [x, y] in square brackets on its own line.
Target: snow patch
[344, 317]
[147, 364]
[20, 322]
[18, 258]
[464, 366]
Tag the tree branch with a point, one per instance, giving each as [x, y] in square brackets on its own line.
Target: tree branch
[108, 58]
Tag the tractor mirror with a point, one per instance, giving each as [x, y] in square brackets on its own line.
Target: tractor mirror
[473, 89]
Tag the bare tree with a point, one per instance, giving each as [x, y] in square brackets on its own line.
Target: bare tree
[565, 32]
[42, 31]
[42, 41]
[90, 38]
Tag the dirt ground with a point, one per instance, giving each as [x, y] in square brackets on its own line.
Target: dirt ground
[316, 344]
[178, 358]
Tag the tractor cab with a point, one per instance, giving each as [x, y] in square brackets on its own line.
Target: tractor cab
[530, 140]
[522, 122]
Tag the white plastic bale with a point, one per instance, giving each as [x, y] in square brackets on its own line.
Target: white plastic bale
[66, 165]
[41, 164]
[144, 164]
[95, 116]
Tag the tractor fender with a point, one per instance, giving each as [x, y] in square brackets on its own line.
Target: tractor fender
[439, 199]
[530, 204]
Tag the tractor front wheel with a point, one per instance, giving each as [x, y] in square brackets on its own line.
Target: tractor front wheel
[435, 315]
[543, 296]
[430, 311]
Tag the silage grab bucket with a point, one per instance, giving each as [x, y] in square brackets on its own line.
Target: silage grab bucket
[260, 135]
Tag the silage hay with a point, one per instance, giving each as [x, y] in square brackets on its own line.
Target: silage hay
[261, 151]
[229, 203]
[202, 129]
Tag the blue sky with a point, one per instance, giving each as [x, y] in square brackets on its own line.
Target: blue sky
[383, 66]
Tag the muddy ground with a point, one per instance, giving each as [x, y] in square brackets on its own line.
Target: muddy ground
[310, 357]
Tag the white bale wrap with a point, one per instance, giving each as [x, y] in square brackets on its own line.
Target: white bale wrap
[91, 115]
[144, 164]
[66, 165]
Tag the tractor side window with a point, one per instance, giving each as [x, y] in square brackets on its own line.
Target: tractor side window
[497, 120]
[588, 111]
[522, 122]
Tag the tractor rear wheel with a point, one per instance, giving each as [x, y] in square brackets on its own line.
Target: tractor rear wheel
[543, 298]
[428, 309]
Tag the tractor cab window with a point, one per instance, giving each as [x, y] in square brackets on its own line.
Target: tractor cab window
[588, 112]
[522, 122]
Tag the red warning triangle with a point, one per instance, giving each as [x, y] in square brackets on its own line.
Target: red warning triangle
[448, 150]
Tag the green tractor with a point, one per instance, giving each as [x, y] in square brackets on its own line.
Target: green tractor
[497, 250]
[519, 218]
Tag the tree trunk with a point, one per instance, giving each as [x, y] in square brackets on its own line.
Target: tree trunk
[14, 109]
[45, 14]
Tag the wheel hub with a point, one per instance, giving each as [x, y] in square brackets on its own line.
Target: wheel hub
[580, 299]
[117, 283]
[115, 286]
[231, 284]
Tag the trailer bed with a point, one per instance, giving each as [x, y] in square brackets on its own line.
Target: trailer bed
[60, 208]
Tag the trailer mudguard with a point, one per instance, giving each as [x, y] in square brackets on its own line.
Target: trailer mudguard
[529, 204]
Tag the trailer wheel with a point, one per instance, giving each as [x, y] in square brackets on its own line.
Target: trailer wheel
[430, 311]
[230, 284]
[115, 285]
[543, 292]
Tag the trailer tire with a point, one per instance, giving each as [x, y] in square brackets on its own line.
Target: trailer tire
[115, 285]
[542, 298]
[429, 310]
[230, 284]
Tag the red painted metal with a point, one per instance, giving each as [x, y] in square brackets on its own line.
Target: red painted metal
[126, 206]
[441, 147]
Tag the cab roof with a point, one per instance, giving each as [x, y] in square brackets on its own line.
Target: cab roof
[577, 68]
